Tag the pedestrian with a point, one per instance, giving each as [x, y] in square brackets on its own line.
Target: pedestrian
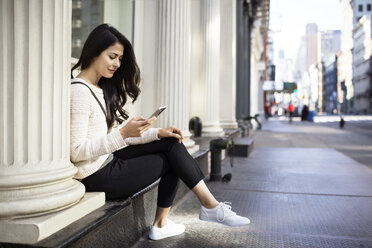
[267, 111]
[304, 113]
[342, 122]
[290, 110]
[122, 160]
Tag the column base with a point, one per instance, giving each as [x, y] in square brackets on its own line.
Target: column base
[32, 230]
[229, 124]
[193, 149]
[32, 191]
[189, 143]
[212, 131]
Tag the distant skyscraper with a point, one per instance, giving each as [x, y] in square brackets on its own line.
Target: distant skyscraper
[300, 62]
[284, 68]
[312, 44]
[330, 43]
[311, 28]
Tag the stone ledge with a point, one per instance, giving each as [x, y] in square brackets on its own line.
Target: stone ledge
[233, 133]
[242, 147]
[117, 223]
[32, 230]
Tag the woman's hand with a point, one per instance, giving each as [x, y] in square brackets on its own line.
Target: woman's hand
[136, 126]
[170, 132]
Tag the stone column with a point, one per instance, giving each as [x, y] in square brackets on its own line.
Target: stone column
[173, 78]
[35, 168]
[211, 53]
[243, 45]
[228, 64]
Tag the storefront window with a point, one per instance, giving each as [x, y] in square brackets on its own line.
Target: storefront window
[88, 14]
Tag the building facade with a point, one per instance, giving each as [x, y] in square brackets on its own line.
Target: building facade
[360, 8]
[314, 84]
[361, 66]
[330, 86]
[321, 101]
[192, 58]
[345, 88]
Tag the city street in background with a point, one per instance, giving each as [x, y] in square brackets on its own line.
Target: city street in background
[354, 140]
[320, 57]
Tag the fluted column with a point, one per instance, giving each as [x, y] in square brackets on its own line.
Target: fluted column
[211, 55]
[173, 89]
[228, 64]
[35, 168]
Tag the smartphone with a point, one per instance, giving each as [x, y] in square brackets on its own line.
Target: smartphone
[158, 111]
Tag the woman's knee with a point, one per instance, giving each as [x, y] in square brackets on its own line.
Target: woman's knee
[169, 142]
[178, 148]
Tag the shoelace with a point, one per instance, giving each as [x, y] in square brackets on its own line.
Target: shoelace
[226, 211]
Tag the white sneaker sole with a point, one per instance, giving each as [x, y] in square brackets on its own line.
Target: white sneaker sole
[163, 236]
[220, 222]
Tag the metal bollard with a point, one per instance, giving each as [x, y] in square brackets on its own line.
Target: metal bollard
[195, 126]
[216, 145]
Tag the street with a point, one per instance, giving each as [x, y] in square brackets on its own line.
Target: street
[354, 140]
[304, 185]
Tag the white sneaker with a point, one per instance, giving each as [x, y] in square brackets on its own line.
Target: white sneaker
[223, 214]
[169, 230]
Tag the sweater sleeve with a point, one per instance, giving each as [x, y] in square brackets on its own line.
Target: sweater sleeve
[81, 147]
[148, 136]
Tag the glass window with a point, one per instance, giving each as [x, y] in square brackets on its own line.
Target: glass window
[369, 7]
[360, 7]
[88, 14]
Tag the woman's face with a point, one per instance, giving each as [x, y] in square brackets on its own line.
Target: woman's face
[109, 60]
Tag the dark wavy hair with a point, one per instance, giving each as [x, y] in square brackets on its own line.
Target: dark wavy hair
[126, 79]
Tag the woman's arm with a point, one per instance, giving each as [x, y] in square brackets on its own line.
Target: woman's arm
[81, 147]
[171, 132]
[147, 137]
[155, 134]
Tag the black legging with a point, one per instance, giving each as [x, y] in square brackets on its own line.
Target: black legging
[135, 167]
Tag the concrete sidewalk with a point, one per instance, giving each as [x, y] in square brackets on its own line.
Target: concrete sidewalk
[307, 195]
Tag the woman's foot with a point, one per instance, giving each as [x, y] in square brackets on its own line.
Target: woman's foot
[169, 230]
[223, 214]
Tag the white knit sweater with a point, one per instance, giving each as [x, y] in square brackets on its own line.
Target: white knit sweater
[90, 144]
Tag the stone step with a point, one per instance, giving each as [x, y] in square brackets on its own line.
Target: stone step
[242, 147]
[233, 133]
[118, 223]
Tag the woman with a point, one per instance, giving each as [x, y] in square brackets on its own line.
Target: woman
[123, 160]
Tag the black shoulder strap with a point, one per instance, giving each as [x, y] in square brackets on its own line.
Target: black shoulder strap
[100, 104]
